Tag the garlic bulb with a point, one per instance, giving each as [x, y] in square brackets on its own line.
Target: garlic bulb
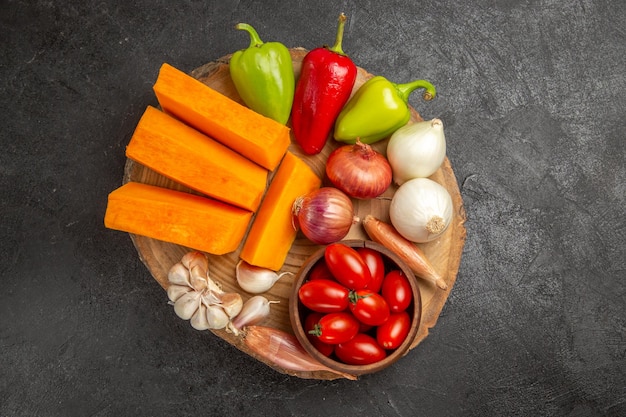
[198, 298]
[421, 210]
[416, 150]
[256, 280]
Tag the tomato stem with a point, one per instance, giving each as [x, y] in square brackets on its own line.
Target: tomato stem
[354, 297]
[316, 331]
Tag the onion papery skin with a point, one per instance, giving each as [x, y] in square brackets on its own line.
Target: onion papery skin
[421, 210]
[416, 150]
[359, 171]
[325, 215]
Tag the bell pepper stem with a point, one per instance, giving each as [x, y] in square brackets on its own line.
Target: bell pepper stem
[255, 40]
[404, 90]
[337, 47]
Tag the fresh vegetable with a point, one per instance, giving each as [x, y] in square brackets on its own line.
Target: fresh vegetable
[364, 328]
[324, 296]
[334, 328]
[416, 150]
[359, 171]
[185, 155]
[196, 297]
[394, 331]
[324, 86]
[263, 76]
[421, 210]
[377, 109]
[374, 261]
[283, 349]
[254, 136]
[396, 290]
[309, 324]
[324, 215]
[254, 311]
[256, 280]
[410, 253]
[369, 307]
[320, 271]
[362, 349]
[177, 217]
[272, 232]
[347, 266]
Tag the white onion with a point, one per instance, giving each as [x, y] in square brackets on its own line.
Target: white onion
[421, 210]
[416, 150]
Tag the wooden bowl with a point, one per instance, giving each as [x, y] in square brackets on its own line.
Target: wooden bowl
[298, 312]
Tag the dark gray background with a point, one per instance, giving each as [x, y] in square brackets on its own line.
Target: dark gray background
[533, 97]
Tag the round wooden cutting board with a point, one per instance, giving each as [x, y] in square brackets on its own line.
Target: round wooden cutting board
[444, 253]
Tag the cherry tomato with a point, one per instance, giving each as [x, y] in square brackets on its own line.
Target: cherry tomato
[362, 349]
[392, 333]
[364, 328]
[334, 328]
[324, 296]
[376, 265]
[369, 307]
[396, 290]
[320, 271]
[309, 324]
[347, 266]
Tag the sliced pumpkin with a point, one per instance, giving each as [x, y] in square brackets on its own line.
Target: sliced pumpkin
[256, 137]
[176, 217]
[272, 232]
[183, 154]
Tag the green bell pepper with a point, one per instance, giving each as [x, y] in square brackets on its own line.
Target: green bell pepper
[377, 109]
[263, 76]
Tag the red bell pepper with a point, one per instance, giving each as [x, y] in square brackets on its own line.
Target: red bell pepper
[325, 84]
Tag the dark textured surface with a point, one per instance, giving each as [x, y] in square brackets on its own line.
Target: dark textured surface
[533, 97]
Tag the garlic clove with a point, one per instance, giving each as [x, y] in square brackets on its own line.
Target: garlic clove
[195, 258]
[199, 319]
[256, 280]
[216, 317]
[254, 311]
[232, 303]
[174, 291]
[179, 275]
[214, 286]
[187, 304]
[198, 278]
[209, 298]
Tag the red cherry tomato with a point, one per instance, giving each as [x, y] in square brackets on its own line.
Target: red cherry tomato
[320, 271]
[334, 328]
[396, 290]
[324, 296]
[392, 333]
[347, 266]
[364, 328]
[369, 307]
[376, 265]
[309, 324]
[362, 349]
